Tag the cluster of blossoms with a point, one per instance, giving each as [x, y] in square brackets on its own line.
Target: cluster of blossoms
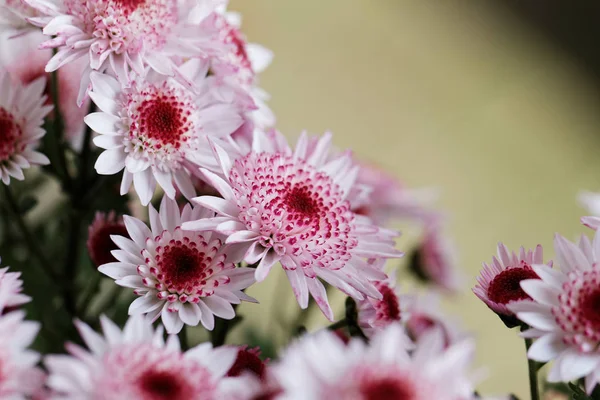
[165, 93]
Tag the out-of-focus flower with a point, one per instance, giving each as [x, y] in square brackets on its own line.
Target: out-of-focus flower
[99, 243]
[11, 286]
[292, 207]
[19, 377]
[424, 314]
[22, 58]
[500, 281]
[22, 113]
[434, 261]
[156, 130]
[564, 315]
[137, 363]
[127, 35]
[320, 366]
[389, 199]
[181, 276]
[376, 314]
[13, 19]
[248, 362]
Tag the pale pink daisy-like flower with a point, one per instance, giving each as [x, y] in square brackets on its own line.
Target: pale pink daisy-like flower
[11, 286]
[435, 261]
[24, 60]
[181, 276]
[499, 283]
[127, 35]
[423, 313]
[99, 242]
[292, 207]
[137, 363]
[321, 365]
[22, 113]
[389, 199]
[19, 376]
[376, 314]
[155, 129]
[13, 19]
[564, 315]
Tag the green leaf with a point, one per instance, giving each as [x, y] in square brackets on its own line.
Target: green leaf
[578, 392]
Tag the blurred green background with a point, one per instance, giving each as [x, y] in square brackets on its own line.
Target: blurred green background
[461, 95]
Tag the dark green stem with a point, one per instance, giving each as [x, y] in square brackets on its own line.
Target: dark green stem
[30, 240]
[183, 339]
[91, 291]
[337, 325]
[533, 380]
[57, 131]
[70, 273]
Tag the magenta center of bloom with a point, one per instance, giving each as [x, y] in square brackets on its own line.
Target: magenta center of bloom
[301, 202]
[247, 360]
[506, 286]
[100, 244]
[129, 5]
[388, 308]
[163, 119]
[184, 266]
[10, 133]
[387, 388]
[590, 307]
[162, 385]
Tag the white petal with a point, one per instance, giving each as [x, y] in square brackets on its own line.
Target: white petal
[137, 230]
[110, 162]
[546, 348]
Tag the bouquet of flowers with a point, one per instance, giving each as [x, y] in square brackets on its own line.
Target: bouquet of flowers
[145, 188]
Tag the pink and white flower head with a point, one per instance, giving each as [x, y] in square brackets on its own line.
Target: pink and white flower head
[11, 286]
[19, 376]
[389, 199]
[435, 260]
[24, 60]
[563, 314]
[99, 243]
[13, 18]
[500, 281]
[423, 313]
[22, 113]
[137, 363]
[181, 276]
[376, 314]
[321, 366]
[155, 129]
[126, 36]
[293, 207]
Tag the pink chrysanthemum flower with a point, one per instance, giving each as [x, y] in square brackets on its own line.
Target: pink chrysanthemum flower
[499, 282]
[13, 18]
[22, 113]
[435, 261]
[564, 315]
[181, 276]
[99, 243]
[137, 363]
[19, 376]
[248, 362]
[127, 35]
[11, 286]
[293, 208]
[389, 199]
[424, 313]
[376, 314]
[155, 129]
[321, 366]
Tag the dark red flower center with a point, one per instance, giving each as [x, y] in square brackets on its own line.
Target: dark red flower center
[248, 361]
[388, 308]
[164, 119]
[301, 201]
[10, 133]
[129, 5]
[590, 308]
[388, 388]
[101, 244]
[183, 266]
[506, 286]
[162, 385]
